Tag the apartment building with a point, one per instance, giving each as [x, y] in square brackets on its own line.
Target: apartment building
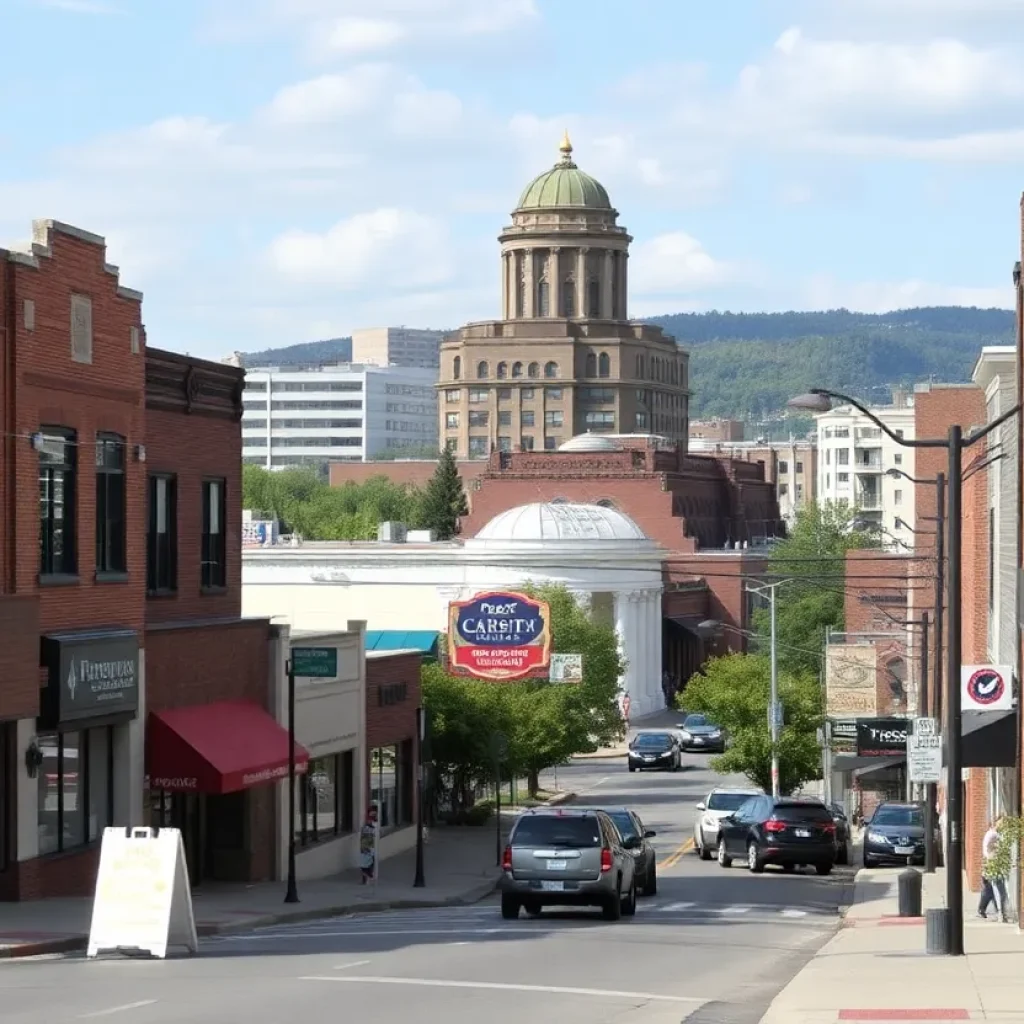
[860, 466]
[398, 346]
[298, 416]
[718, 430]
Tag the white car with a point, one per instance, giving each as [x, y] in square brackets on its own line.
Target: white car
[718, 804]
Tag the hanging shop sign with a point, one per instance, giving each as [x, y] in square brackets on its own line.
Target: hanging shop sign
[500, 636]
[882, 737]
[986, 687]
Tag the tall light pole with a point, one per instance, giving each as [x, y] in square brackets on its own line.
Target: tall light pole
[820, 400]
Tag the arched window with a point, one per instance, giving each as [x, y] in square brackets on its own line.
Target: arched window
[559, 501]
[517, 369]
[591, 370]
[896, 676]
[551, 370]
[533, 370]
[606, 503]
[568, 297]
[483, 371]
[457, 368]
[604, 365]
[502, 371]
[543, 299]
[593, 298]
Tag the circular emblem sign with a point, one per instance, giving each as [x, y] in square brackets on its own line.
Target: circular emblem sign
[986, 687]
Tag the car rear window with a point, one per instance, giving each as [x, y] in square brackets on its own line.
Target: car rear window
[552, 830]
[905, 817]
[802, 812]
[727, 801]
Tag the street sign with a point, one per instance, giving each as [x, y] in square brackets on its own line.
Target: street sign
[315, 662]
[924, 757]
[925, 727]
[625, 707]
[778, 716]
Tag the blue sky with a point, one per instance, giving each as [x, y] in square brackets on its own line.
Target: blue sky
[273, 171]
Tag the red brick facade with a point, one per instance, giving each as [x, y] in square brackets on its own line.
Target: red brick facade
[393, 693]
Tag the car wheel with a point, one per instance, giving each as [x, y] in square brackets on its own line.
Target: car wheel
[754, 861]
[632, 768]
[629, 903]
[532, 907]
[702, 848]
[843, 856]
[724, 860]
[612, 909]
[651, 881]
[823, 869]
[509, 908]
[869, 862]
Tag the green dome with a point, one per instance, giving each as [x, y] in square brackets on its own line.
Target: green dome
[564, 185]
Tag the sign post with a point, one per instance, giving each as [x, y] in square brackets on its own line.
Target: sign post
[924, 762]
[292, 891]
[418, 881]
[499, 751]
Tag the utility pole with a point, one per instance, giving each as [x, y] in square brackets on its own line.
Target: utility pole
[774, 697]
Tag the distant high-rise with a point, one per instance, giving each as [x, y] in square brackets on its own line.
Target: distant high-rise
[398, 346]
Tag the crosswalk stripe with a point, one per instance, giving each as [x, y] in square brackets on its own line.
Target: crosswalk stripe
[794, 913]
[670, 907]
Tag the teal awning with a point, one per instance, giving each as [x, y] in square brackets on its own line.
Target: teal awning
[422, 640]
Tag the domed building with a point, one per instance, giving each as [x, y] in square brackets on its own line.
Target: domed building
[564, 359]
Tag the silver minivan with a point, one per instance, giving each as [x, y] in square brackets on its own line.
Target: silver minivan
[567, 857]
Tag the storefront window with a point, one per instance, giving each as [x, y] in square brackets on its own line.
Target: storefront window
[325, 807]
[390, 787]
[75, 787]
[6, 798]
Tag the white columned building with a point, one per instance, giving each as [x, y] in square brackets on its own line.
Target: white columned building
[597, 553]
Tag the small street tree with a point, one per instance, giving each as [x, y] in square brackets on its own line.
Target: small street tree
[444, 500]
[733, 692]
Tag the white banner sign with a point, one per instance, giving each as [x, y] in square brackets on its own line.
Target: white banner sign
[566, 668]
[986, 687]
[143, 898]
[924, 756]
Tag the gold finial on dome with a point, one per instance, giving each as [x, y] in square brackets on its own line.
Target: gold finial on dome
[566, 150]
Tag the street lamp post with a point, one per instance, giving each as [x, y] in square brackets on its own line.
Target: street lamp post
[773, 698]
[820, 400]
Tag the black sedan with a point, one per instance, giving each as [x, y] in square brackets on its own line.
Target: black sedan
[895, 835]
[696, 733]
[631, 827]
[654, 750]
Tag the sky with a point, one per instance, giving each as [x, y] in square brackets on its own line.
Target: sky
[277, 171]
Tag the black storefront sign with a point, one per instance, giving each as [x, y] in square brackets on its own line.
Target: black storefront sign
[90, 675]
[882, 737]
[392, 693]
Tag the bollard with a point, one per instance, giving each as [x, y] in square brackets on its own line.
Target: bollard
[936, 931]
[910, 883]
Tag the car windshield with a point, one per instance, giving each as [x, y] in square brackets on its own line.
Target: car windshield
[900, 816]
[624, 823]
[695, 722]
[653, 741]
[727, 801]
[802, 812]
[554, 830]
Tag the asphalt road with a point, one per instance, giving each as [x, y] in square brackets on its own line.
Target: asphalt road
[713, 947]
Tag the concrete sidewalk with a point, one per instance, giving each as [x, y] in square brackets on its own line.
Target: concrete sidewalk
[460, 867]
[876, 968]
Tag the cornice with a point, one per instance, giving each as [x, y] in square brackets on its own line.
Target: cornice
[195, 387]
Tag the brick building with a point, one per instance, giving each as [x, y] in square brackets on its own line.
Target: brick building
[104, 564]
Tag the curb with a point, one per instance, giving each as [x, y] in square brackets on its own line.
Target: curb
[600, 757]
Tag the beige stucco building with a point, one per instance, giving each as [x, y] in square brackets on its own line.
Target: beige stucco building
[564, 359]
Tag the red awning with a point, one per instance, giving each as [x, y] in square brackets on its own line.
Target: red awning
[217, 748]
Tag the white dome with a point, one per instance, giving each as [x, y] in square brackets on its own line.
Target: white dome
[589, 443]
[561, 522]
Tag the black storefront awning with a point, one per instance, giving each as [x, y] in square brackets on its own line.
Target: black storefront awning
[864, 765]
[691, 623]
[989, 739]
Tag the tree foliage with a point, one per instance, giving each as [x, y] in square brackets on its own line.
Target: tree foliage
[812, 559]
[306, 504]
[444, 500]
[733, 691]
[544, 723]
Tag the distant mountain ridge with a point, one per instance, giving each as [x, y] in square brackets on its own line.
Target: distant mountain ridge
[747, 365]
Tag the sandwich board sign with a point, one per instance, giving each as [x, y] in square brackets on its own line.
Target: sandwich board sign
[143, 900]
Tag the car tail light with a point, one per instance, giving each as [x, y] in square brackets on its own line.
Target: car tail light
[506, 859]
[830, 827]
[771, 825]
[606, 860]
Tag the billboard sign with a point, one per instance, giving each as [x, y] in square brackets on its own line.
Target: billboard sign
[501, 636]
[882, 737]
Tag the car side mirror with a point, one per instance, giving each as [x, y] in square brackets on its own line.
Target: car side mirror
[650, 834]
[702, 806]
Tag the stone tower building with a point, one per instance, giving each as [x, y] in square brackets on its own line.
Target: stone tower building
[564, 359]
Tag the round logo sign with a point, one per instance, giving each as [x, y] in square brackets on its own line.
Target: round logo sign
[985, 687]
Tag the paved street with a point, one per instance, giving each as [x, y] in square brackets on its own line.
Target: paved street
[713, 947]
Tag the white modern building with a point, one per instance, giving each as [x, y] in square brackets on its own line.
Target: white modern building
[351, 412]
[860, 466]
[598, 553]
[398, 346]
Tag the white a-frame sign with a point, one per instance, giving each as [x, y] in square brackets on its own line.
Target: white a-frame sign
[143, 899]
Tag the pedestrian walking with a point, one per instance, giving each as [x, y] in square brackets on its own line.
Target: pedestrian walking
[368, 846]
[993, 885]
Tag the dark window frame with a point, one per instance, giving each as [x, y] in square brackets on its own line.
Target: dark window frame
[308, 832]
[111, 512]
[66, 564]
[162, 558]
[213, 552]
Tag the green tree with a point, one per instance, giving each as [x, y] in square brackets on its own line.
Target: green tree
[812, 559]
[444, 500]
[733, 691]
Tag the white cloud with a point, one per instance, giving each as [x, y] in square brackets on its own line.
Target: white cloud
[389, 248]
[349, 36]
[675, 264]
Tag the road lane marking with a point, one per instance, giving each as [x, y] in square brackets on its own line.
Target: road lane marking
[116, 1009]
[600, 993]
[672, 907]
[348, 967]
[676, 855]
[794, 913]
[735, 910]
[364, 931]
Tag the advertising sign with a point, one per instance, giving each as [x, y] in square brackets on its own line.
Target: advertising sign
[851, 674]
[501, 636]
[843, 734]
[566, 668]
[924, 756]
[986, 687]
[882, 737]
[93, 674]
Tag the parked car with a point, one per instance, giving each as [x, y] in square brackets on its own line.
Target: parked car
[718, 804]
[696, 733]
[568, 857]
[842, 833]
[895, 835]
[657, 750]
[785, 831]
[646, 859]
